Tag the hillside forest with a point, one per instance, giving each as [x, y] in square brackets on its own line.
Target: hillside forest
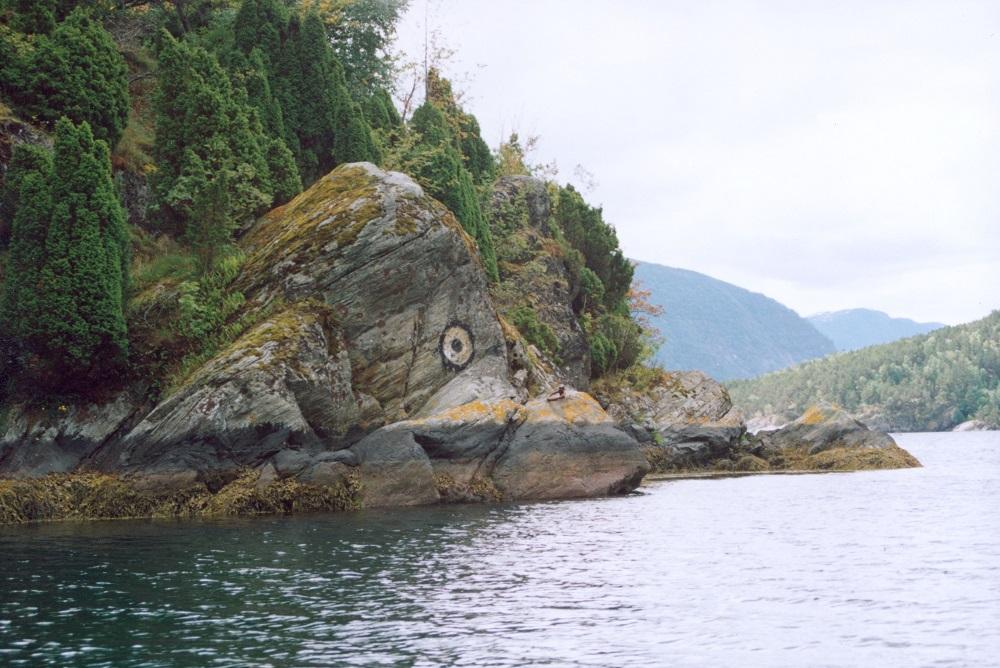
[930, 382]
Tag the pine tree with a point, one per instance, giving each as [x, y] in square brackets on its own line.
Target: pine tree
[77, 72]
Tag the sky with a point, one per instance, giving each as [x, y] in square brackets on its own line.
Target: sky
[830, 154]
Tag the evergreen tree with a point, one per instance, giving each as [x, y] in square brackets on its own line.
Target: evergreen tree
[25, 159]
[77, 72]
[20, 305]
[309, 83]
[205, 128]
[437, 165]
[380, 112]
[259, 24]
[63, 308]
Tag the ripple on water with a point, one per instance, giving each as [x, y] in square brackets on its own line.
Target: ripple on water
[883, 567]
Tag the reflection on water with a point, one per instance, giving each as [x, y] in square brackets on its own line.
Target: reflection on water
[876, 568]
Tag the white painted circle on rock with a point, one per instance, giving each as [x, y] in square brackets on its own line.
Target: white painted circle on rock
[457, 346]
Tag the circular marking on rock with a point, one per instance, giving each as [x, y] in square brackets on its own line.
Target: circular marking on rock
[457, 346]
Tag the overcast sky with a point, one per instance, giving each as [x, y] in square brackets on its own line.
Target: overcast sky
[830, 154]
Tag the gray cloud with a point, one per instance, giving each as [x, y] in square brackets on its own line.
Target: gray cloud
[828, 154]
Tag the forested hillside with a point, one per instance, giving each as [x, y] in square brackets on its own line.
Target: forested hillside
[861, 327]
[722, 329]
[929, 382]
[139, 140]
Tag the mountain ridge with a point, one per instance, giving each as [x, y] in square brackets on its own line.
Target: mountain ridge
[852, 329]
[725, 330]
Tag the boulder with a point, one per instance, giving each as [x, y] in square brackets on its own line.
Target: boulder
[685, 419]
[285, 385]
[827, 437]
[973, 425]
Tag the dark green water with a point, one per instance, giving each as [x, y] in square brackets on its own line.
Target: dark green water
[878, 568]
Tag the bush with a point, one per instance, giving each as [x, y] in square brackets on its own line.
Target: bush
[534, 331]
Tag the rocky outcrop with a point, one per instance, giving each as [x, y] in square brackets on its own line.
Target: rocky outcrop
[501, 450]
[973, 425]
[827, 438]
[684, 419]
[534, 276]
[377, 374]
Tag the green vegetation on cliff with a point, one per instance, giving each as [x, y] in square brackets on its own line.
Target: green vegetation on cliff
[929, 382]
[213, 112]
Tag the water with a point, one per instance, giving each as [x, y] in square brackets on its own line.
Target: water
[874, 568]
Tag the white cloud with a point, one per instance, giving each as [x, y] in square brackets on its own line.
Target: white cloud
[828, 154]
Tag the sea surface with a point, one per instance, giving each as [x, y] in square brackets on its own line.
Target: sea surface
[883, 568]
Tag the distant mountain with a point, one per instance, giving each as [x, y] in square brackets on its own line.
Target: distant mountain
[724, 330]
[862, 327]
[929, 382]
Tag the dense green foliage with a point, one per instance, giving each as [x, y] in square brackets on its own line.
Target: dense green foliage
[74, 71]
[362, 37]
[722, 329]
[206, 134]
[586, 231]
[320, 121]
[928, 382]
[437, 164]
[63, 299]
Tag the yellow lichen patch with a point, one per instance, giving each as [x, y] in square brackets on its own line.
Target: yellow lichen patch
[814, 415]
[336, 209]
[474, 411]
[577, 408]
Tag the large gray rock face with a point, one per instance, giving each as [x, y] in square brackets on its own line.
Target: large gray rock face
[285, 384]
[403, 279]
[687, 420]
[37, 442]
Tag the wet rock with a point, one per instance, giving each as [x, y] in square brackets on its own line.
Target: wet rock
[58, 439]
[502, 449]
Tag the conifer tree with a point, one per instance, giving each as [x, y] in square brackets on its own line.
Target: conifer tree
[64, 307]
[20, 304]
[25, 159]
[77, 72]
[438, 167]
[204, 128]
